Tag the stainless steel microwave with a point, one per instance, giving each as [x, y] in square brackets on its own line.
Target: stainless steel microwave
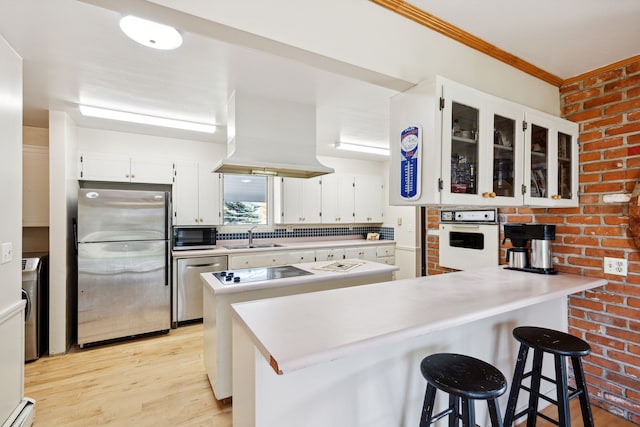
[191, 238]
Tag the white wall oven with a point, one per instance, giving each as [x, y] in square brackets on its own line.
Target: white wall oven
[469, 238]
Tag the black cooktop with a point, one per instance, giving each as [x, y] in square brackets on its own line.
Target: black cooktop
[233, 277]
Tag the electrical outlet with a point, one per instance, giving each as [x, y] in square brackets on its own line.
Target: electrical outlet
[617, 266]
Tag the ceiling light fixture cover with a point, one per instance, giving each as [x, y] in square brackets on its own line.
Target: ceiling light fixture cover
[124, 116]
[150, 34]
[362, 148]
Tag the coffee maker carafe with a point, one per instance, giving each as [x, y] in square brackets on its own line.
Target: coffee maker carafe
[531, 249]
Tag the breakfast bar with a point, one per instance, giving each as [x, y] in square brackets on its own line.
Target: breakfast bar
[350, 357]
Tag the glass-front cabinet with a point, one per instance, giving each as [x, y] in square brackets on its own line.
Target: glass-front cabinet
[551, 166]
[463, 159]
[473, 148]
[506, 148]
[482, 149]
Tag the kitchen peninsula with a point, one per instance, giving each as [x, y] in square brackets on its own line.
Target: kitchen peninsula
[351, 357]
[267, 282]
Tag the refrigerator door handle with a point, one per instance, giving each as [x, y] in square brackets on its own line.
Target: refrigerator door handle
[167, 278]
[27, 311]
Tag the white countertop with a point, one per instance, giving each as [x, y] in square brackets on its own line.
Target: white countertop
[297, 331]
[286, 245]
[368, 268]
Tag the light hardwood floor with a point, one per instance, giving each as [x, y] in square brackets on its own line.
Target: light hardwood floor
[156, 381]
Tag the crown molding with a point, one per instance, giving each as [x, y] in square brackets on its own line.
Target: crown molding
[434, 23]
[593, 73]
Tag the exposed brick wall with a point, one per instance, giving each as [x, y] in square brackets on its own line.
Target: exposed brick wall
[607, 108]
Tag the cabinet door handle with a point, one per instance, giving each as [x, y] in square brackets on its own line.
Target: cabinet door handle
[126, 175]
[133, 175]
[492, 195]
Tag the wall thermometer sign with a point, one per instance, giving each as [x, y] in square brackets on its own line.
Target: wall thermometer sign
[410, 146]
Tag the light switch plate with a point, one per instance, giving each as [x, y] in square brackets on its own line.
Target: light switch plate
[7, 252]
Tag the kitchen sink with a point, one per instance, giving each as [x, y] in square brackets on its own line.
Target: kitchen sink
[254, 246]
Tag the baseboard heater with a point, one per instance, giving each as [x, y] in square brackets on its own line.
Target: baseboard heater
[23, 415]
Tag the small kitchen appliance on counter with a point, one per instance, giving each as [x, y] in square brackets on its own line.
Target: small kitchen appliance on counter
[531, 249]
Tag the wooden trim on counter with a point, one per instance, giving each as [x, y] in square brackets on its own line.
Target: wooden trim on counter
[593, 73]
[434, 23]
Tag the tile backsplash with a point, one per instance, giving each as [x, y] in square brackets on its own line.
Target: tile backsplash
[386, 233]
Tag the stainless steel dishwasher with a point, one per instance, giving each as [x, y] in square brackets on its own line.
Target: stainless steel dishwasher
[189, 289]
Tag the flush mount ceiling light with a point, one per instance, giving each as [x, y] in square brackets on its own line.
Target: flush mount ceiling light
[150, 34]
[124, 116]
[362, 148]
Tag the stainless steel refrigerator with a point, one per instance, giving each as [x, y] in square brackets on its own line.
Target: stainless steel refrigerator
[123, 253]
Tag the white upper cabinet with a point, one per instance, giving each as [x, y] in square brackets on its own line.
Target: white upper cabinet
[368, 198]
[551, 161]
[338, 200]
[297, 200]
[196, 194]
[118, 168]
[455, 145]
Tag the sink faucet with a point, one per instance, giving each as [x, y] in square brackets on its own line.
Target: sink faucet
[250, 231]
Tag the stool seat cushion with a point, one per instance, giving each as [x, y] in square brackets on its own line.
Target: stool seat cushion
[551, 341]
[464, 376]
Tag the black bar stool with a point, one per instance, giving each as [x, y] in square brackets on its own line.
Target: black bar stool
[561, 346]
[465, 379]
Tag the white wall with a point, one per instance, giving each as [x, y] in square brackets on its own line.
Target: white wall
[11, 305]
[130, 144]
[63, 191]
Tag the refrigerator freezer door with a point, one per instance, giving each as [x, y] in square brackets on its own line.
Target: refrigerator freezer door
[119, 215]
[123, 289]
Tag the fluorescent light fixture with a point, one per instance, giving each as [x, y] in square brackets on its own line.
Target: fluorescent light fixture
[123, 116]
[150, 34]
[362, 148]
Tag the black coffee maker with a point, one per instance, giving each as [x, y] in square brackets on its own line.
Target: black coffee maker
[531, 247]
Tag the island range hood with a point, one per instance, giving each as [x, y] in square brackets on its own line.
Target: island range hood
[271, 137]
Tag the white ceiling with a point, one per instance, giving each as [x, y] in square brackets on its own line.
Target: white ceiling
[563, 37]
[74, 53]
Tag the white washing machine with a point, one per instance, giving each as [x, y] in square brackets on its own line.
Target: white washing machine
[32, 292]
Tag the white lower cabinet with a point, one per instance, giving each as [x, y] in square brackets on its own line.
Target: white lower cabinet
[382, 254]
[298, 257]
[386, 254]
[258, 260]
[329, 254]
[366, 253]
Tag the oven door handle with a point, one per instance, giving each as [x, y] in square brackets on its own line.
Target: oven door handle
[465, 227]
